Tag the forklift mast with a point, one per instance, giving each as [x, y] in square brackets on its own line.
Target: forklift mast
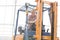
[53, 19]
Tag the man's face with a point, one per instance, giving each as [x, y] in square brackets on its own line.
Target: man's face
[33, 12]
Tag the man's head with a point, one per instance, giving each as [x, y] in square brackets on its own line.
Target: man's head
[33, 12]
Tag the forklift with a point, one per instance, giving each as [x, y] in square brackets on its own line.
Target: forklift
[39, 32]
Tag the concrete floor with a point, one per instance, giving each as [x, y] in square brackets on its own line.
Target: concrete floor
[5, 38]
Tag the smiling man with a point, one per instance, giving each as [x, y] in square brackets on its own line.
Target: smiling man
[32, 20]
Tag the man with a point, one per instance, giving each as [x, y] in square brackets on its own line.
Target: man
[32, 20]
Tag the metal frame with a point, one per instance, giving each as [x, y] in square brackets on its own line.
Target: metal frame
[53, 21]
[39, 20]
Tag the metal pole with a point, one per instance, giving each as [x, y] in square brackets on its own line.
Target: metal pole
[26, 27]
[16, 24]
